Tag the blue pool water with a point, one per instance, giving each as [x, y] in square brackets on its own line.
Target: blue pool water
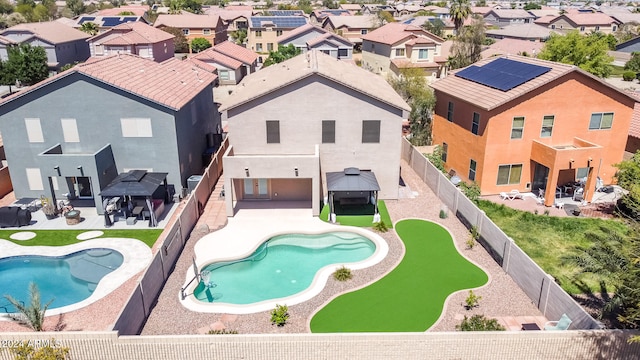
[67, 279]
[283, 266]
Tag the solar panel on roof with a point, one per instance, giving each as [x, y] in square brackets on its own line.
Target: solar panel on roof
[279, 21]
[111, 21]
[129, 19]
[502, 74]
[85, 19]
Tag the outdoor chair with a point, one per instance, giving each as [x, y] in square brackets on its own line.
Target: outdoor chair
[515, 194]
[578, 195]
[562, 324]
[504, 196]
[599, 184]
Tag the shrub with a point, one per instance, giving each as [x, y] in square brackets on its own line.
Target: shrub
[50, 350]
[200, 44]
[435, 158]
[472, 192]
[280, 315]
[342, 274]
[472, 300]
[474, 235]
[222, 332]
[479, 323]
[380, 227]
[628, 75]
[443, 214]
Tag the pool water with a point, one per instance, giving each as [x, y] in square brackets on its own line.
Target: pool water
[67, 279]
[282, 266]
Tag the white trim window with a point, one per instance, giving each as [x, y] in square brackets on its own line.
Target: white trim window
[34, 130]
[136, 127]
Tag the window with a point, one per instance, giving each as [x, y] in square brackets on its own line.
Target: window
[509, 174]
[363, 32]
[206, 31]
[517, 127]
[423, 54]
[343, 53]
[259, 47]
[326, 52]
[472, 170]
[185, 31]
[553, 27]
[400, 52]
[445, 150]
[269, 46]
[328, 131]
[601, 121]
[598, 28]
[224, 74]
[547, 126]
[582, 173]
[258, 33]
[34, 130]
[450, 112]
[475, 124]
[581, 28]
[136, 127]
[70, 130]
[98, 49]
[370, 131]
[273, 132]
[278, 32]
[241, 24]
[34, 179]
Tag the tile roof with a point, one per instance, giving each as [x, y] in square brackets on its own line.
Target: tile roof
[278, 21]
[211, 56]
[236, 51]
[489, 98]
[312, 63]
[523, 31]
[51, 31]
[228, 15]
[634, 128]
[509, 46]
[588, 18]
[392, 33]
[187, 21]
[511, 14]
[172, 83]
[202, 65]
[354, 22]
[136, 10]
[322, 33]
[132, 33]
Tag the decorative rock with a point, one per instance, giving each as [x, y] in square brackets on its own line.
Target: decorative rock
[89, 235]
[23, 235]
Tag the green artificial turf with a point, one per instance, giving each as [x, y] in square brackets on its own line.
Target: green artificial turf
[68, 237]
[412, 296]
[359, 220]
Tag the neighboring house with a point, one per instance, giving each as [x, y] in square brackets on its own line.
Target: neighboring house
[105, 23]
[76, 131]
[282, 151]
[233, 20]
[195, 26]
[404, 10]
[354, 9]
[233, 62]
[133, 38]
[584, 22]
[63, 45]
[396, 46]
[540, 13]
[142, 11]
[623, 16]
[448, 27]
[264, 31]
[309, 36]
[508, 17]
[629, 46]
[512, 47]
[352, 28]
[529, 32]
[520, 123]
[373, 9]
[318, 16]
[633, 139]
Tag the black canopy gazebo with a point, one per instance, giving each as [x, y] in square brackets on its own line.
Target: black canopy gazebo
[352, 186]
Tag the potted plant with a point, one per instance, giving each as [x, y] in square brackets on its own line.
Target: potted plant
[49, 210]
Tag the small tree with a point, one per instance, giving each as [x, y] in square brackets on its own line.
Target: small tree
[479, 323]
[239, 36]
[199, 44]
[31, 315]
[634, 63]
[412, 86]
[283, 53]
[49, 351]
[280, 315]
[89, 27]
[179, 41]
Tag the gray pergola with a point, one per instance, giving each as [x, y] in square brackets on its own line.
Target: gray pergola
[352, 180]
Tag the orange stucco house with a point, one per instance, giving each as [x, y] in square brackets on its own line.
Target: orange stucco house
[518, 123]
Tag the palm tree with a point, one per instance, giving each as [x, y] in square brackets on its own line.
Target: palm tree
[459, 11]
[32, 315]
[89, 27]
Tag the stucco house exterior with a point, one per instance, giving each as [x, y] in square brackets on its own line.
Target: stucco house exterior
[540, 126]
[584, 22]
[232, 61]
[281, 151]
[106, 22]
[195, 26]
[135, 38]
[127, 113]
[309, 36]
[397, 46]
[508, 17]
[352, 28]
[264, 31]
[63, 44]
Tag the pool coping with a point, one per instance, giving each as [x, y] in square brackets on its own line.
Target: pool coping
[246, 239]
[136, 257]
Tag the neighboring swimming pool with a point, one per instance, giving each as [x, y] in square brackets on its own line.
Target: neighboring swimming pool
[65, 279]
[282, 266]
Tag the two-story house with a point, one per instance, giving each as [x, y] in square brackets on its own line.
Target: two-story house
[318, 16]
[352, 28]
[309, 36]
[133, 38]
[106, 22]
[264, 32]
[73, 133]
[232, 61]
[194, 26]
[63, 44]
[396, 46]
[584, 22]
[508, 17]
[233, 20]
[520, 123]
[284, 139]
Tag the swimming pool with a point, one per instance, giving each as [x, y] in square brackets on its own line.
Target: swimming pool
[65, 279]
[283, 266]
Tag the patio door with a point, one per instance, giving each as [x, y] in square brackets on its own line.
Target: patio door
[80, 187]
[540, 177]
[256, 188]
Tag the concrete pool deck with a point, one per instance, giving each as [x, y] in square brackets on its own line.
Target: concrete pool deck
[136, 257]
[251, 227]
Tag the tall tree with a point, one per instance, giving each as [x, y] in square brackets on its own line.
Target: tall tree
[199, 44]
[25, 65]
[588, 52]
[628, 177]
[6, 7]
[239, 36]
[283, 53]
[435, 26]
[459, 11]
[180, 42]
[467, 45]
[31, 315]
[90, 28]
[76, 7]
[412, 86]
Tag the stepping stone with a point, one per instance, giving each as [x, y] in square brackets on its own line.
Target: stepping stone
[89, 235]
[23, 235]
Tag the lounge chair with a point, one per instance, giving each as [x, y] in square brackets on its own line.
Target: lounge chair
[578, 195]
[562, 324]
[504, 196]
[515, 194]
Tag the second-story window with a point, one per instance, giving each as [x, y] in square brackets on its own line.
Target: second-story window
[423, 54]
[328, 131]
[517, 127]
[370, 131]
[601, 121]
[363, 32]
[258, 33]
[475, 124]
[399, 52]
[547, 126]
[269, 46]
[273, 132]
[206, 31]
[185, 31]
[450, 112]
[278, 32]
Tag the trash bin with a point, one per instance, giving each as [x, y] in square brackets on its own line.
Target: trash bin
[192, 182]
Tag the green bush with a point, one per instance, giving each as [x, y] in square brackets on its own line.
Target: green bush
[342, 274]
[628, 75]
[222, 332]
[472, 192]
[380, 226]
[280, 315]
[479, 323]
[472, 300]
[443, 214]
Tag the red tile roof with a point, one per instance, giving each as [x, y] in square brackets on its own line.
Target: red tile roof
[172, 83]
[212, 56]
[634, 128]
[187, 21]
[236, 51]
[586, 19]
[51, 31]
[136, 10]
[202, 65]
[132, 33]
[392, 33]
